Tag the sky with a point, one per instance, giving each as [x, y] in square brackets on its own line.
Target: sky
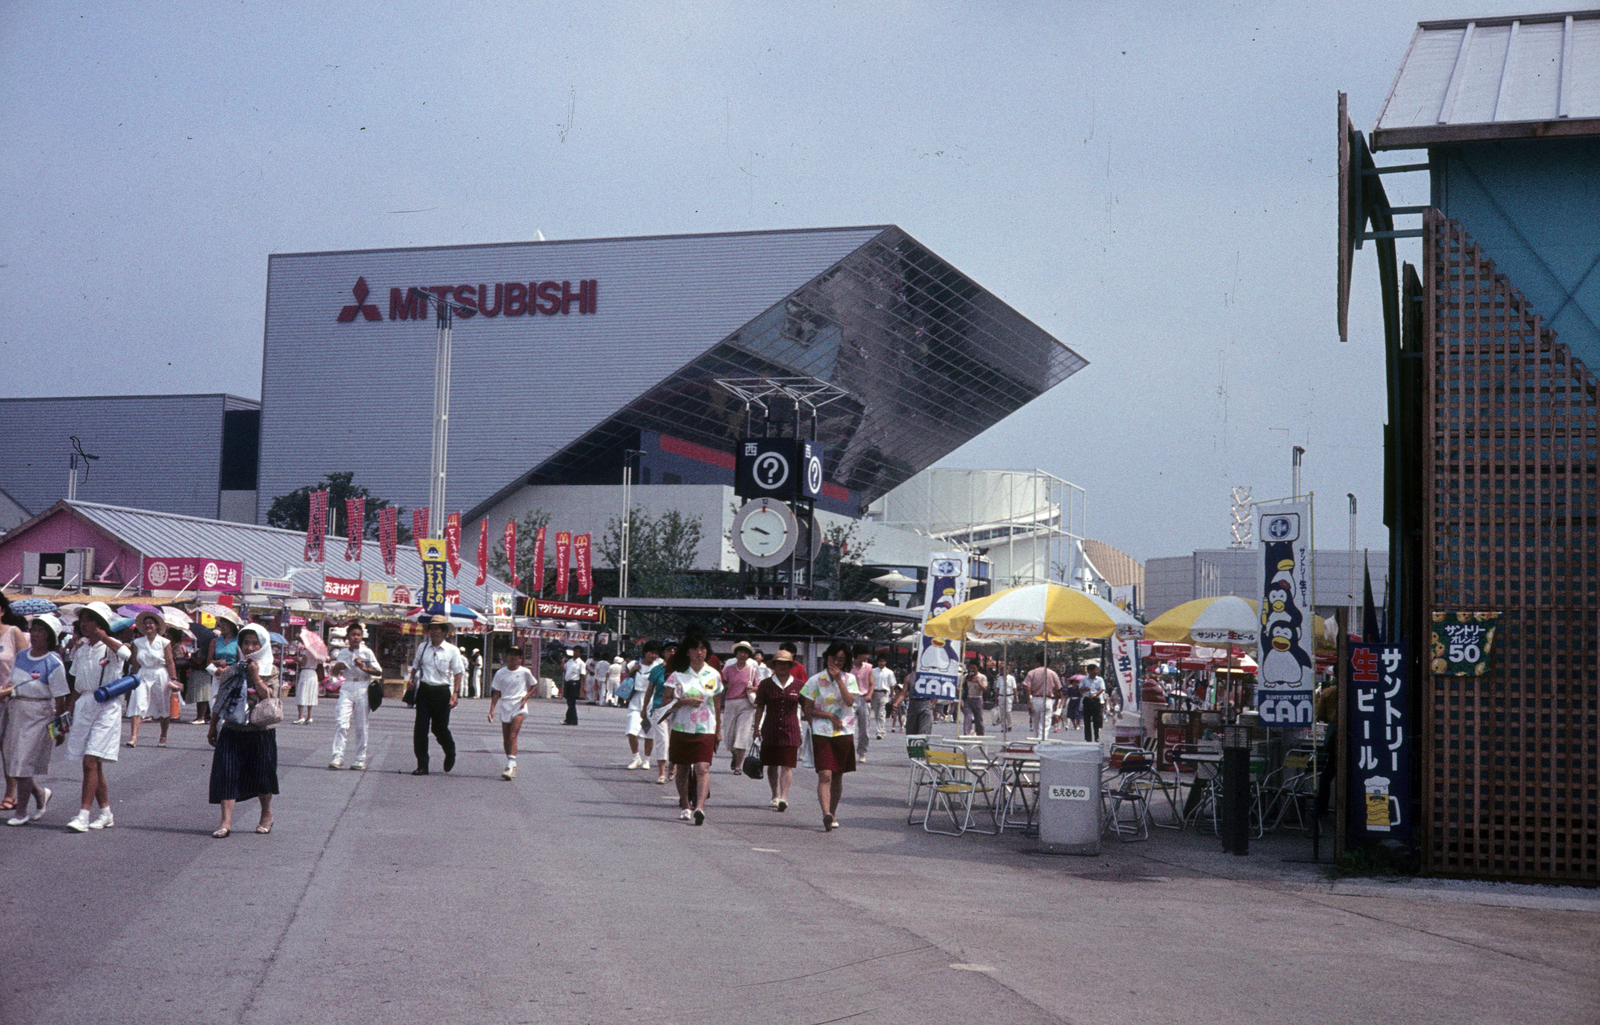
[1153, 184]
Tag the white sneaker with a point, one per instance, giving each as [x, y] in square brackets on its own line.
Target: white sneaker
[686, 815]
[337, 763]
[636, 763]
[79, 822]
[359, 766]
[509, 773]
[105, 821]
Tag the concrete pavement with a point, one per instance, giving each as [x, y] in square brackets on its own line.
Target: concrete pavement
[573, 894]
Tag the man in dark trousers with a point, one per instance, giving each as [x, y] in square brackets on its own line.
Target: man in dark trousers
[437, 668]
[572, 674]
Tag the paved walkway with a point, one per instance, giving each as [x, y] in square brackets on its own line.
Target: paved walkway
[573, 894]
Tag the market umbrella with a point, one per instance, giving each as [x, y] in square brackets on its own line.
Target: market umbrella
[133, 609]
[33, 606]
[1034, 612]
[220, 612]
[460, 616]
[1219, 621]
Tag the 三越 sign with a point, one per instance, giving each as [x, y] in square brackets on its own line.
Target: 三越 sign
[1378, 747]
[192, 575]
[1461, 642]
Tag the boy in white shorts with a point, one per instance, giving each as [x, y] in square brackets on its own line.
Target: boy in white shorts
[638, 728]
[508, 702]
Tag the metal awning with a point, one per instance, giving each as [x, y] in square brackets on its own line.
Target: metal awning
[755, 618]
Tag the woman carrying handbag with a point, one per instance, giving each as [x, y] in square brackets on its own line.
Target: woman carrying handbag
[242, 719]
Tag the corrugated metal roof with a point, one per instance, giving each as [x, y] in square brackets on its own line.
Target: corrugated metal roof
[1519, 77]
[269, 551]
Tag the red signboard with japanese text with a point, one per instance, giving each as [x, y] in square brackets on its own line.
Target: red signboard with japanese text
[563, 550]
[580, 563]
[452, 542]
[192, 575]
[511, 550]
[483, 552]
[566, 610]
[341, 589]
[538, 561]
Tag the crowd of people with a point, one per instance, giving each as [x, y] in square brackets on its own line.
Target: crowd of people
[77, 678]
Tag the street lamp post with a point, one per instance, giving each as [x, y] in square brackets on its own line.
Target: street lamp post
[1299, 457]
[627, 535]
[441, 403]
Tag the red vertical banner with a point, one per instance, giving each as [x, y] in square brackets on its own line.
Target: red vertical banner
[580, 563]
[316, 526]
[538, 561]
[483, 551]
[355, 525]
[388, 536]
[563, 547]
[452, 543]
[511, 549]
[419, 527]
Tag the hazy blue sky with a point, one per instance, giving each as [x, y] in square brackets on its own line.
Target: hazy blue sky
[1151, 183]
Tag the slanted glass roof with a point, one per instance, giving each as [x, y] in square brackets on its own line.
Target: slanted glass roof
[928, 358]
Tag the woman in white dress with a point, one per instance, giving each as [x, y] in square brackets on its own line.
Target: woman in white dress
[152, 657]
[307, 682]
[97, 660]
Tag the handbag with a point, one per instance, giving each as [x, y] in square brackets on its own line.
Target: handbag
[752, 760]
[374, 695]
[625, 689]
[267, 712]
[410, 696]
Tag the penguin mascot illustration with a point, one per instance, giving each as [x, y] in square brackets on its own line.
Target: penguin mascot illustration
[1280, 665]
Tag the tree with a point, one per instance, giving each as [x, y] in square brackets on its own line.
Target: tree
[527, 531]
[841, 570]
[293, 510]
[661, 550]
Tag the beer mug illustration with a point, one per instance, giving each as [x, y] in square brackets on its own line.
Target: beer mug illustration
[1383, 808]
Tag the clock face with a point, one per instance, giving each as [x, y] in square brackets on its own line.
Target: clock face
[764, 532]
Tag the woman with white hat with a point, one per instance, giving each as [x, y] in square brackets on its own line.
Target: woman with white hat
[96, 730]
[158, 676]
[39, 693]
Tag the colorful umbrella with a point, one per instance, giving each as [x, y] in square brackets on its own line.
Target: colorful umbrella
[33, 606]
[1213, 621]
[314, 644]
[1034, 612]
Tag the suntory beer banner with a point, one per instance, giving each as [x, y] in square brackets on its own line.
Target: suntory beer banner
[1286, 674]
[1125, 666]
[355, 525]
[483, 552]
[388, 536]
[316, 526]
[538, 561]
[580, 560]
[511, 550]
[452, 542]
[1378, 747]
[433, 573]
[939, 665]
[563, 544]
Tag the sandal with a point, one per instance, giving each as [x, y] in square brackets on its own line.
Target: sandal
[221, 833]
[9, 804]
[264, 829]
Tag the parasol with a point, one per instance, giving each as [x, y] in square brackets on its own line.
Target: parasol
[1034, 612]
[313, 643]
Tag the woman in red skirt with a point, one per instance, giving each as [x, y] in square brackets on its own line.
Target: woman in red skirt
[778, 725]
[693, 741]
[829, 701]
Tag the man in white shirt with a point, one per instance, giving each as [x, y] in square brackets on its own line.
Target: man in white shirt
[572, 684]
[882, 684]
[438, 668]
[360, 669]
[1005, 688]
[1094, 698]
[1044, 687]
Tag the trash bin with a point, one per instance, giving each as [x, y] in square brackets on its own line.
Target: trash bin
[1069, 797]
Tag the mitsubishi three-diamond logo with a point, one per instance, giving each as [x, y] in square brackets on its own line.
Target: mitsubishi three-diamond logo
[361, 305]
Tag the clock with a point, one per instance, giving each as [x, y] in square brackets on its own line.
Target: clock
[765, 532]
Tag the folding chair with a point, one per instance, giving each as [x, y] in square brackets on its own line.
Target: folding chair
[957, 779]
[1019, 785]
[1128, 791]
[923, 776]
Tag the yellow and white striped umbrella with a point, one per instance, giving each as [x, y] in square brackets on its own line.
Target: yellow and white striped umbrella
[1216, 622]
[1034, 612]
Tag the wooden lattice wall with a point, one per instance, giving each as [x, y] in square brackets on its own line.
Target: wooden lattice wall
[1510, 763]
